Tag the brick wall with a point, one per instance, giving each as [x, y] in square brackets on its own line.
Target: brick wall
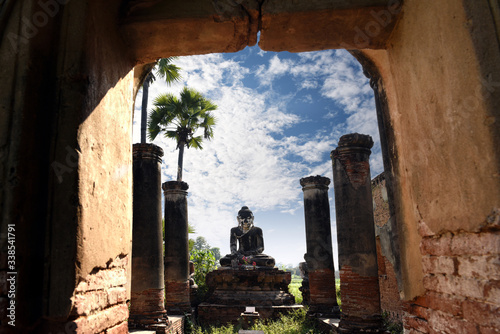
[177, 300]
[390, 300]
[99, 303]
[462, 282]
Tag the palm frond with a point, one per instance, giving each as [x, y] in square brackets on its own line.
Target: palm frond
[167, 70]
[195, 142]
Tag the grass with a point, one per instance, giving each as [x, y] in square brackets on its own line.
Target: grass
[296, 283]
[293, 288]
[294, 322]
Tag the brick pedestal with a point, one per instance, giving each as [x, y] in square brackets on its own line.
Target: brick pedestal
[147, 308]
[319, 256]
[356, 236]
[234, 289]
[177, 299]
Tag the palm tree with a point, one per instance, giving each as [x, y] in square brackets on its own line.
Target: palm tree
[180, 118]
[165, 69]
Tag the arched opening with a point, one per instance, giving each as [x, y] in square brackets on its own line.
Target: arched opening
[437, 68]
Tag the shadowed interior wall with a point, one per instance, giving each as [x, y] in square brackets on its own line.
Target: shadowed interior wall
[66, 105]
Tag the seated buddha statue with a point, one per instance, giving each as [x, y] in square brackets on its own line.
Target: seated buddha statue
[246, 243]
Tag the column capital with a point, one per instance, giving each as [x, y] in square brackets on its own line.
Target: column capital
[172, 186]
[147, 151]
[314, 182]
[353, 142]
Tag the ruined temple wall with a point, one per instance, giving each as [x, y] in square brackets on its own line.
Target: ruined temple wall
[390, 300]
[66, 106]
[441, 80]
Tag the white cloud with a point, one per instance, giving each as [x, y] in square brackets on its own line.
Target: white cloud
[277, 67]
[251, 160]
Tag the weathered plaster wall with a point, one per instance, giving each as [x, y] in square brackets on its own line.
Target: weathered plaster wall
[441, 80]
[446, 124]
[65, 106]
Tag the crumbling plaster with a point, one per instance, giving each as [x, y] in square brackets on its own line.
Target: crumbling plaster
[446, 126]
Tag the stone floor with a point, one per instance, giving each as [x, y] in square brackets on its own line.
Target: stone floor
[176, 321]
[328, 325]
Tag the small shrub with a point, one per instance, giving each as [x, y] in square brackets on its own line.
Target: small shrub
[204, 262]
[391, 325]
[294, 322]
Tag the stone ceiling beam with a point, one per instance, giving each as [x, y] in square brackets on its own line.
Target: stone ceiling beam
[310, 25]
[161, 28]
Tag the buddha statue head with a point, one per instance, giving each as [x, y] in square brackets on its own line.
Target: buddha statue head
[245, 219]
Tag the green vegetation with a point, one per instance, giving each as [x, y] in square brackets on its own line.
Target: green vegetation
[164, 69]
[293, 323]
[204, 262]
[293, 288]
[392, 326]
[180, 118]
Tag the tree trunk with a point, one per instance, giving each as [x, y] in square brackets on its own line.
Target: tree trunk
[144, 109]
[179, 162]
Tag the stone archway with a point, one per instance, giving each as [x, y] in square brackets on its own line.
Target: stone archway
[66, 125]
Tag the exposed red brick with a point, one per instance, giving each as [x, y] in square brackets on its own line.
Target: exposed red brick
[484, 314]
[476, 243]
[118, 329]
[492, 292]
[454, 285]
[487, 266]
[177, 296]
[446, 323]
[420, 312]
[86, 303]
[103, 320]
[359, 294]
[390, 300]
[103, 279]
[438, 264]
[440, 245]
[322, 287]
[445, 302]
[99, 301]
[489, 330]
[413, 331]
[417, 324]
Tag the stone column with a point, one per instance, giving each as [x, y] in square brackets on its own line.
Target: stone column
[359, 285]
[147, 308]
[319, 256]
[177, 299]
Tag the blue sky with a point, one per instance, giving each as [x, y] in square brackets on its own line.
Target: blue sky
[279, 117]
